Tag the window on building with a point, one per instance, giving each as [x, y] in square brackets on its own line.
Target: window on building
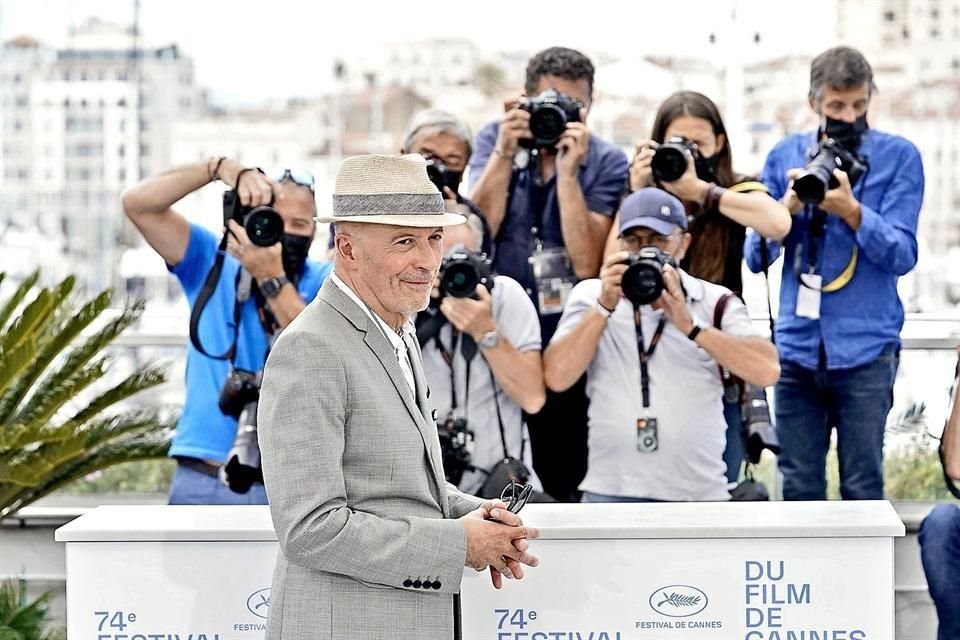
[122, 151]
[934, 33]
[934, 13]
[889, 16]
[122, 102]
[143, 125]
[144, 150]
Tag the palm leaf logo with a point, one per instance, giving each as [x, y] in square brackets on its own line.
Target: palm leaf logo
[677, 600]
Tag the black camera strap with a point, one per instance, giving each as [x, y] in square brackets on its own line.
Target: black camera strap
[209, 286]
[645, 352]
[816, 231]
[468, 349]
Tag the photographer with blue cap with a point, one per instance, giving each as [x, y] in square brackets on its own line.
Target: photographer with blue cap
[646, 334]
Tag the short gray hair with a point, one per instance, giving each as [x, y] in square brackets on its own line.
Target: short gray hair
[839, 68]
[439, 121]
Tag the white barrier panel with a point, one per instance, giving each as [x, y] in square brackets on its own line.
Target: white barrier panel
[759, 571]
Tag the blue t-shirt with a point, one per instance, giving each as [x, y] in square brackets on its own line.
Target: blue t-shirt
[603, 180]
[862, 318]
[203, 431]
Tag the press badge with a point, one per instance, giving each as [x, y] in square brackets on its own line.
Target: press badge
[554, 276]
[808, 296]
[647, 439]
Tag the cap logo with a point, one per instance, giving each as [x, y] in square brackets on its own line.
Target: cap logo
[665, 211]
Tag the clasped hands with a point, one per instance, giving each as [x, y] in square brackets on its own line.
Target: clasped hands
[498, 540]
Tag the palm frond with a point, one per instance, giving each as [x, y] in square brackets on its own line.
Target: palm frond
[87, 314]
[146, 378]
[48, 358]
[48, 400]
[21, 619]
[154, 443]
[14, 362]
[11, 305]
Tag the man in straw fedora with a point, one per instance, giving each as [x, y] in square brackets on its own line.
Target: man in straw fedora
[373, 542]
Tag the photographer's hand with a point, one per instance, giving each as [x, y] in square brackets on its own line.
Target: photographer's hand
[790, 199]
[641, 175]
[469, 316]
[572, 149]
[841, 202]
[688, 187]
[674, 302]
[263, 263]
[611, 277]
[255, 189]
[514, 127]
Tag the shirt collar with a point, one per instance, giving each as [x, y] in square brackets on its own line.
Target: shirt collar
[395, 339]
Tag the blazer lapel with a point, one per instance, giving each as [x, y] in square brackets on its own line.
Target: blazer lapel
[383, 350]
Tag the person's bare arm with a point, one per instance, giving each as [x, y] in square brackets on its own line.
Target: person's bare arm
[149, 203]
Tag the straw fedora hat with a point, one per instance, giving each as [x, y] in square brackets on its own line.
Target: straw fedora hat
[387, 189]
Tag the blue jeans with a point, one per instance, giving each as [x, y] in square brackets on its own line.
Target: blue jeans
[192, 487]
[809, 404]
[734, 452]
[940, 552]
[600, 497]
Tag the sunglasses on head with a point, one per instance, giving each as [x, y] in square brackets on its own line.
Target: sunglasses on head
[300, 177]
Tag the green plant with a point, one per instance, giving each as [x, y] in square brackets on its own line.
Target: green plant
[22, 620]
[55, 427]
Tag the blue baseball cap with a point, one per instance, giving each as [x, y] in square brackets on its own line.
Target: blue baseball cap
[652, 208]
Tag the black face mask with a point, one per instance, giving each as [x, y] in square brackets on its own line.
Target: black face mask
[295, 250]
[849, 134]
[706, 166]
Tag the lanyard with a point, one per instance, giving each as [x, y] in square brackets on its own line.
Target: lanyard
[468, 348]
[646, 352]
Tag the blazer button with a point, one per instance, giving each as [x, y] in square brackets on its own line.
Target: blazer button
[408, 583]
[436, 584]
[417, 584]
[434, 414]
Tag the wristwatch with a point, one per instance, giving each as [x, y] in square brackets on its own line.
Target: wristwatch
[271, 286]
[489, 340]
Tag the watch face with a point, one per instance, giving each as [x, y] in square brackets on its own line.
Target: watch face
[490, 340]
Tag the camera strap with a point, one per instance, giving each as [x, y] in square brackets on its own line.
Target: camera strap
[645, 352]
[209, 286]
[468, 349]
[816, 236]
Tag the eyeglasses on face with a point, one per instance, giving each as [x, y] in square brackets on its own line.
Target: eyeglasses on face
[634, 243]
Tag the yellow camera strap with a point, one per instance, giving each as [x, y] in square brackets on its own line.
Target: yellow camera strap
[845, 276]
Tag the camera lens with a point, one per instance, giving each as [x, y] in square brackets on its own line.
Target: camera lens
[460, 279]
[668, 163]
[264, 227]
[547, 124]
[642, 282]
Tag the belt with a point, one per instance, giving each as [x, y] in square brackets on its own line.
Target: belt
[198, 465]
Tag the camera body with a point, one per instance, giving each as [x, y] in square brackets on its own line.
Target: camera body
[239, 389]
[462, 271]
[456, 445]
[643, 280]
[550, 112]
[240, 398]
[263, 224]
[441, 176]
[758, 428]
[670, 160]
[817, 178]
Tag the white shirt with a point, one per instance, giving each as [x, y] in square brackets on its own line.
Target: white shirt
[685, 397]
[396, 339]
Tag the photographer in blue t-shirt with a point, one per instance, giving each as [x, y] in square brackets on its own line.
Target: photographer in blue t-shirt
[243, 289]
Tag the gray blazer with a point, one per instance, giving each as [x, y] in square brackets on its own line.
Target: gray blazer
[352, 466]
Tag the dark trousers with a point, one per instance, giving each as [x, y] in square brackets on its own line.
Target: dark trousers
[810, 403]
[940, 552]
[558, 442]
